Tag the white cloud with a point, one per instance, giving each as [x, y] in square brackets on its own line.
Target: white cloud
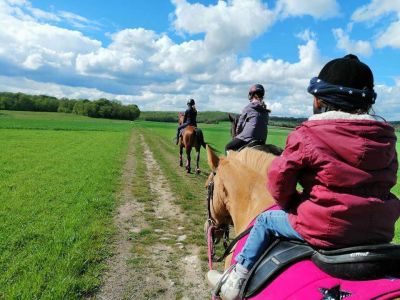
[377, 10]
[387, 104]
[315, 8]
[306, 35]
[27, 43]
[228, 26]
[344, 42]
[25, 85]
[391, 37]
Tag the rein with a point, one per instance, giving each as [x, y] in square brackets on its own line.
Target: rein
[213, 228]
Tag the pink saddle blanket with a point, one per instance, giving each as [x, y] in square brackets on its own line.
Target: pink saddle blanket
[304, 280]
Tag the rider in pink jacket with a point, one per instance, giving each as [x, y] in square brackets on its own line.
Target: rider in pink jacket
[345, 160]
[346, 165]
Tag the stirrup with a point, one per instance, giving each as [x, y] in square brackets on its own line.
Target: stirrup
[217, 289]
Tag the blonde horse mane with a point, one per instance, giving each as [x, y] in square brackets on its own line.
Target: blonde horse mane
[256, 160]
[239, 191]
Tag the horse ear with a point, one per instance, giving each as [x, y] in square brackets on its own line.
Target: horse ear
[230, 118]
[212, 158]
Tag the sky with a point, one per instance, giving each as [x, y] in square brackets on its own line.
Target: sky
[159, 53]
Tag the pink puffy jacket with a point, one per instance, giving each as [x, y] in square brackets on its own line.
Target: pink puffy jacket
[346, 168]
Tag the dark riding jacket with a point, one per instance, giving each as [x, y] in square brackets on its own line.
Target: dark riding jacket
[190, 117]
[253, 122]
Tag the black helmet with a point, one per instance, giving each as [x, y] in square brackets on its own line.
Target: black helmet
[348, 71]
[345, 83]
[191, 102]
[256, 89]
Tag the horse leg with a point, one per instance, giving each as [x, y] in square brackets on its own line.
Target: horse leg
[188, 150]
[180, 155]
[197, 161]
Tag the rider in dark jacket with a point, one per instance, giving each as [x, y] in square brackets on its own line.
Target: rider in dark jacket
[190, 118]
[253, 121]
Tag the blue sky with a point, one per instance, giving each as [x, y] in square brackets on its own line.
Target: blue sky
[159, 53]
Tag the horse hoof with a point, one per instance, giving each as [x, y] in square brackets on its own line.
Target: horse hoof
[181, 164]
[188, 170]
[198, 171]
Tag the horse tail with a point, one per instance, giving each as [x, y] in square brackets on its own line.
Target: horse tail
[200, 138]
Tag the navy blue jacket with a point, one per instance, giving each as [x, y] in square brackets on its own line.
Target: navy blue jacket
[190, 117]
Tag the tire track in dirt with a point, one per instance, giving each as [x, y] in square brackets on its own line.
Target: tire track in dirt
[177, 260]
[119, 274]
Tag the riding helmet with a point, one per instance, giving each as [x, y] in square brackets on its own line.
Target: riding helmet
[348, 71]
[191, 102]
[256, 89]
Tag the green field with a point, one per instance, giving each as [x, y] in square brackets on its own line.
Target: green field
[59, 179]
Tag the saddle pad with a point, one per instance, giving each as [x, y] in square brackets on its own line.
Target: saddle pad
[277, 257]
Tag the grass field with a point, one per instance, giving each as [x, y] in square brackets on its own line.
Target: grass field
[59, 179]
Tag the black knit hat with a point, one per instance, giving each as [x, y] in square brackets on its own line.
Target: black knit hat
[348, 71]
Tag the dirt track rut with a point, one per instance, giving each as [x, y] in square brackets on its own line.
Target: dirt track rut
[174, 269]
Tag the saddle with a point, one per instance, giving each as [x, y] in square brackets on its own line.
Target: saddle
[252, 144]
[196, 130]
[261, 146]
[356, 263]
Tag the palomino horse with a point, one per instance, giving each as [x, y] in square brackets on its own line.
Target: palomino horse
[237, 194]
[191, 138]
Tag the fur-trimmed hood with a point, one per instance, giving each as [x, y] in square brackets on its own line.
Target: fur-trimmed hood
[340, 115]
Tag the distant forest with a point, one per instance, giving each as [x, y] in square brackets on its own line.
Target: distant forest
[212, 117]
[113, 109]
[102, 108]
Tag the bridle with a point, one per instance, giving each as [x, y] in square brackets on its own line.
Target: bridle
[221, 229]
[213, 228]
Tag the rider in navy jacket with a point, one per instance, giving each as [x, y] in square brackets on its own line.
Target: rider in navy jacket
[190, 118]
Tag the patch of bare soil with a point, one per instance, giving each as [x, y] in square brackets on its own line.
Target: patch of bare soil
[119, 274]
[178, 261]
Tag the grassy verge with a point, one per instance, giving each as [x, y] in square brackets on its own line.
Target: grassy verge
[57, 198]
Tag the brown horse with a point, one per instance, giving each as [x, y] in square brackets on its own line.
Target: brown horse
[191, 138]
[238, 195]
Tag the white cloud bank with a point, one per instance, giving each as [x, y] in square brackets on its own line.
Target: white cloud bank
[152, 70]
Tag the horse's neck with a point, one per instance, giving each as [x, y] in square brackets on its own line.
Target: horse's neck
[248, 207]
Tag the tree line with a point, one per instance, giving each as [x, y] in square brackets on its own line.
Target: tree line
[101, 108]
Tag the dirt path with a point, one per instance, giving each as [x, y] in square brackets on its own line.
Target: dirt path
[177, 258]
[120, 274]
[168, 267]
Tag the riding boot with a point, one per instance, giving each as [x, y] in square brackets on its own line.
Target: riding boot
[230, 283]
